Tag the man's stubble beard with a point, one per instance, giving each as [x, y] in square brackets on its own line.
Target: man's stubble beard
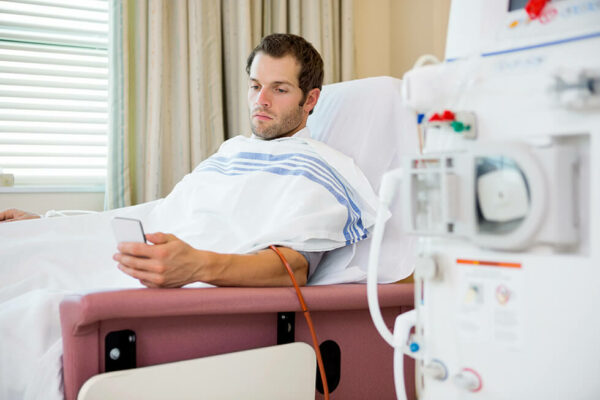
[288, 123]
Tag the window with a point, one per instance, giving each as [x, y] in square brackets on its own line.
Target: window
[54, 91]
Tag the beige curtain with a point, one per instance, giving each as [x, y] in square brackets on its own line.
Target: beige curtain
[172, 96]
[179, 83]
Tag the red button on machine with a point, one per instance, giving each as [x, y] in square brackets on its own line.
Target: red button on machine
[534, 8]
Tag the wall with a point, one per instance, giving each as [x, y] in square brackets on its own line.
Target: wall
[40, 202]
[391, 34]
[372, 37]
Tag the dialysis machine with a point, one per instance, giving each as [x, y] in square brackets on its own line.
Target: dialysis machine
[504, 195]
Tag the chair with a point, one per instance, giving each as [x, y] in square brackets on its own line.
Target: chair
[157, 326]
[276, 372]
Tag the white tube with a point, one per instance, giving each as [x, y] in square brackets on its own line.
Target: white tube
[66, 213]
[389, 184]
[404, 323]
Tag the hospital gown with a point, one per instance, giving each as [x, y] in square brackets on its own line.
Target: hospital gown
[293, 192]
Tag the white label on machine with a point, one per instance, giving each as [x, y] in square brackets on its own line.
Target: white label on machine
[489, 308]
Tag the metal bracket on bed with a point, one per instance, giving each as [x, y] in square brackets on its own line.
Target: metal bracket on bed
[330, 350]
[286, 323]
[119, 350]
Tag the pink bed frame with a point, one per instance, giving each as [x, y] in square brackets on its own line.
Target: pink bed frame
[180, 324]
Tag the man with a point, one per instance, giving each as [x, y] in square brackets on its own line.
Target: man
[285, 75]
[278, 187]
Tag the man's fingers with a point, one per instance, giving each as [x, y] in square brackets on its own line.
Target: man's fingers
[15, 215]
[135, 249]
[9, 214]
[147, 278]
[141, 264]
[158, 237]
[142, 249]
[4, 215]
[134, 262]
[148, 284]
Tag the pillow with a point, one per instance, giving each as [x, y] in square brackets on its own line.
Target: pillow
[367, 120]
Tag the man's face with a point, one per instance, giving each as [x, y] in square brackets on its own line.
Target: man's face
[274, 97]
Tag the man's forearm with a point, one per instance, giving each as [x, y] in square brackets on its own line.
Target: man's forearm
[263, 268]
[170, 262]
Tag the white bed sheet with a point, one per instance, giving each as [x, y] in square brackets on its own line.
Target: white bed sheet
[309, 207]
[33, 285]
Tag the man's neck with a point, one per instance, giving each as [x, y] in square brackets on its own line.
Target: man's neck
[302, 133]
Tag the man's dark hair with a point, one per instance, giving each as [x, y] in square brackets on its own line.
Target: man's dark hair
[279, 45]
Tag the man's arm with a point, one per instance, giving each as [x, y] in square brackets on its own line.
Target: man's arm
[16, 215]
[170, 262]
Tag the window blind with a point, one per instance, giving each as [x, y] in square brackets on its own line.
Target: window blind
[54, 91]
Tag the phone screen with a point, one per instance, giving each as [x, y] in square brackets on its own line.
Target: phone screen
[128, 230]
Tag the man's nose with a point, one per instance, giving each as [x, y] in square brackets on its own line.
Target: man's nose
[263, 99]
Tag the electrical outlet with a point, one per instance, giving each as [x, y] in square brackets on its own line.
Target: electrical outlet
[7, 180]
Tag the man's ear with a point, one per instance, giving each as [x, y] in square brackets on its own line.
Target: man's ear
[311, 99]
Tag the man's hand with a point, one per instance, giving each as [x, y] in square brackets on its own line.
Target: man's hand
[16, 215]
[170, 262]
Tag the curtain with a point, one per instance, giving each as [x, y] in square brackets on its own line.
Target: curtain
[178, 80]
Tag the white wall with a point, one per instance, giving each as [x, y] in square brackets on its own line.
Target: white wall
[42, 202]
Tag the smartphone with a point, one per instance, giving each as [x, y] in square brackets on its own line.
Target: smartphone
[128, 230]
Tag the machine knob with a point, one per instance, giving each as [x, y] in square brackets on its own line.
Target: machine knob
[468, 379]
[436, 370]
[426, 268]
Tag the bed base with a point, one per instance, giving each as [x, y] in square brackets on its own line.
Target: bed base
[156, 326]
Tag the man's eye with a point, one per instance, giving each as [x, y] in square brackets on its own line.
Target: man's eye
[254, 87]
[281, 90]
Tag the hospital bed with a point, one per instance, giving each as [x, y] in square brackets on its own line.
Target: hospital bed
[122, 329]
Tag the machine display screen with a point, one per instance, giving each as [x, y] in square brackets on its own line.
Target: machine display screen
[516, 4]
